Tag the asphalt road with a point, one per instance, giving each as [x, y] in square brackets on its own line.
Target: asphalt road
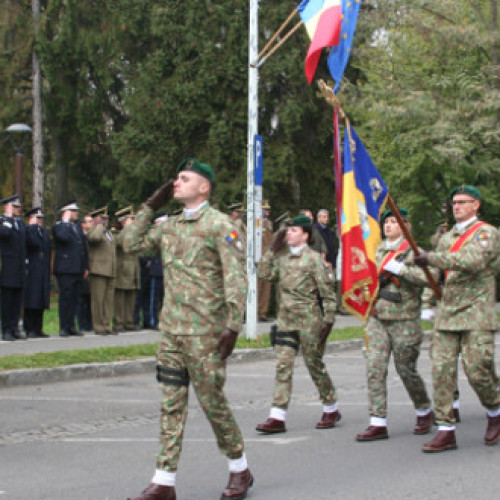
[97, 439]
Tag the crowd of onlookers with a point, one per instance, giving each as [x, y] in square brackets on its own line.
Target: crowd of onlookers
[100, 287]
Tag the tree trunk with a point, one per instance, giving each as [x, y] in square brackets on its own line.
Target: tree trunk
[38, 166]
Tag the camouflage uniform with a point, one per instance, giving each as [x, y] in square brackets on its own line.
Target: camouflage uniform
[395, 327]
[205, 291]
[465, 318]
[300, 277]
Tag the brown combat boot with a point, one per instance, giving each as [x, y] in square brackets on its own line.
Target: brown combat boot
[328, 420]
[156, 492]
[424, 424]
[372, 433]
[238, 485]
[443, 440]
[492, 431]
[271, 426]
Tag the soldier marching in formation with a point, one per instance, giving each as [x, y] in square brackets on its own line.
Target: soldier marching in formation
[466, 317]
[395, 327]
[205, 289]
[301, 275]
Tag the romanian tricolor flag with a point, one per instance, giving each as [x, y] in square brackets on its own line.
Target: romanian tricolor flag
[322, 21]
[364, 194]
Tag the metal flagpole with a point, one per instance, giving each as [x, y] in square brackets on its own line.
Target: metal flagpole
[253, 104]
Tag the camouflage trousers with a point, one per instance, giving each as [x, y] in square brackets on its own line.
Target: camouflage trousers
[403, 339]
[477, 348]
[312, 352]
[196, 357]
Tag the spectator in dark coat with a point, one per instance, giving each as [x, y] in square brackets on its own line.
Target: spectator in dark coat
[329, 237]
[37, 291]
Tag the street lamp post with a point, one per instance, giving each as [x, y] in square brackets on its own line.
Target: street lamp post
[14, 130]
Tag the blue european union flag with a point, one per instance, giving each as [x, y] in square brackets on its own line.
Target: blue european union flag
[339, 54]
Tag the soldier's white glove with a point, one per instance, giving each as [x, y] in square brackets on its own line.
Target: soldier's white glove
[427, 314]
[394, 267]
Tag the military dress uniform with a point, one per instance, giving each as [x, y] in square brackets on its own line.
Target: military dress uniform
[102, 272]
[37, 291]
[204, 290]
[13, 272]
[300, 277]
[264, 286]
[394, 327]
[70, 263]
[126, 284]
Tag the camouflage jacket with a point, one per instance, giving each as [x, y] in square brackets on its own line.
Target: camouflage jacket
[411, 280]
[203, 268]
[300, 278]
[469, 291]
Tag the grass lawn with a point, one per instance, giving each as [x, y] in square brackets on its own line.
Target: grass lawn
[110, 354]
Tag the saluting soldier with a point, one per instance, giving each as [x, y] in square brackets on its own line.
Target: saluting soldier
[301, 275]
[395, 327]
[205, 292]
[127, 276]
[102, 271]
[466, 317]
[238, 214]
[71, 265]
[12, 276]
[263, 286]
[37, 291]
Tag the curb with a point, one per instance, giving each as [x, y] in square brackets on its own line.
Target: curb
[82, 371]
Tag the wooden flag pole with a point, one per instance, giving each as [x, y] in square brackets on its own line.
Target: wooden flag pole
[413, 245]
[278, 32]
[261, 61]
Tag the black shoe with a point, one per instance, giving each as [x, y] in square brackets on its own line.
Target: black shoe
[8, 336]
[41, 335]
[20, 335]
[63, 333]
[31, 335]
[75, 333]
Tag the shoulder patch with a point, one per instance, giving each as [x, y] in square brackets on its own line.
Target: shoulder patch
[233, 239]
[484, 239]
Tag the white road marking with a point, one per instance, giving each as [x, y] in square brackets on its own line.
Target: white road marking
[263, 439]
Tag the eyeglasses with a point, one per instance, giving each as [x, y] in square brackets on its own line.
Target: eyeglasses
[462, 202]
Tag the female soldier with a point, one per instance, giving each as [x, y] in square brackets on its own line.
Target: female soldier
[301, 276]
[395, 327]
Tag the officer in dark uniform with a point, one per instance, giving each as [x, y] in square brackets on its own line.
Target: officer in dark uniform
[12, 276]
[37, 291]
[71, 264]
[142, 316]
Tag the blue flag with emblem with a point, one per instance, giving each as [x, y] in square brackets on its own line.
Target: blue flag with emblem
[339, 54]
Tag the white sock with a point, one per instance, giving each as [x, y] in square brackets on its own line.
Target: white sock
[331, 408]
[277, 413]
[423, 413]
[164, 478]
[456, 404]
[378, 422]
[493, 413]
[238, 464]
[446, 428]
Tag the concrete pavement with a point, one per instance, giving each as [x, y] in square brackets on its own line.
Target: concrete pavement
[97, 439]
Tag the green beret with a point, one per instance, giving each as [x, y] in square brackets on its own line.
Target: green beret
[194, 165]
[388, 213]
[466, 189]
[300, 220]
